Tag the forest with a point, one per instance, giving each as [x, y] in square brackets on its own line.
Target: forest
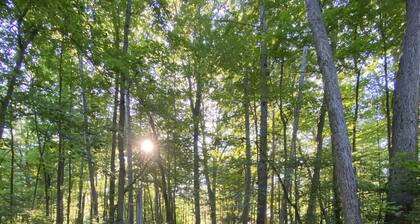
[209, 111]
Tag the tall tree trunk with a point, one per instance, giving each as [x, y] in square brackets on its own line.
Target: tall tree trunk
[195, 106]
[121, 159]
[36, 186]
[382, 30]
[70, 186]
[80, 201]
[41, 157]
[356, 103]
[405, 118]
[41, 150]
[247, 191]
[105, 199]
[47, 197]
[12, 166]
[210, 190]
[158, 213]
[279, 203]
[82, 214]
[255, 117]
[175, 174]
[339, 136]
[93, 193]
[196, 118]
[123, 92]
[336, 203]
[296, 112]
[168, 210]
[174, 156]
[283, 207]
[139, 205]
[314, 189]
[22, 45]
[113, 149]
[214, 182]
[380, 166]
[60, 169]
[273, 156]
[387, 105]
[150, 202]
[117, 39]
[262, 162]
[296, 192]
[130, 218]
[169, 191]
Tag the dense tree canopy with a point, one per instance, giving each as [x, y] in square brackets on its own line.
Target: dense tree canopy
[193, 111]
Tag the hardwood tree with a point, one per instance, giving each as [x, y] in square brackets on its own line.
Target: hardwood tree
[339, 136]
[405, 118]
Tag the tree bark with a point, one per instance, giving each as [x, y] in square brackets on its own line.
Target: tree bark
[262, 162]
[105, 198]
[158, 212]
[12, 167]
[387, 105]
[41, 150]
[36, 186]
[174, 156]
[339, 136]
[314, 189]
[92, 173]
[123, 92]
[150, 202]
[47, 196]
[196, 111]
[82, 214]
[70, 186]
[273, 156]
[356, 103]
[336, 201]
[121, 159]
[405, 118]
[283, 206]
[139, 206]
[80, 200]
[116, 26]
[296, 111]
[296, 190]
[210, 190]
[113, 149]
[247, 191]
[130, 215]
[60, 169]
[40, 158]
[382, 29]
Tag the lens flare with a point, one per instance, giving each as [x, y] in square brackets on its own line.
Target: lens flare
[147, 146]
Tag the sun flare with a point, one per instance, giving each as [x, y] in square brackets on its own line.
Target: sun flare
[147, 146]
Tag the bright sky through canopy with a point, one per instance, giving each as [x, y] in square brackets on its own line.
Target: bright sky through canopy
[147, 146]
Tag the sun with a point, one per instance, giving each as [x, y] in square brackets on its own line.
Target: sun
[147, 146]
